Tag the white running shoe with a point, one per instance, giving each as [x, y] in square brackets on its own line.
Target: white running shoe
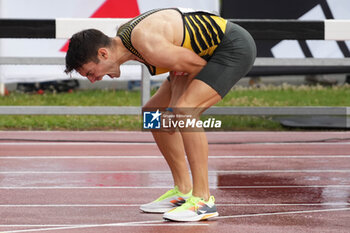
[195, 209]
[171, 199]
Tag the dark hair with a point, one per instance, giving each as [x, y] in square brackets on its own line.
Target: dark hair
[83, 48]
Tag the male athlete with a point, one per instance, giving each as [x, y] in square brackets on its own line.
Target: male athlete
[206, 55]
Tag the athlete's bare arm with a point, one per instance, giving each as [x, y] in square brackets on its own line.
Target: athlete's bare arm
[158, 39]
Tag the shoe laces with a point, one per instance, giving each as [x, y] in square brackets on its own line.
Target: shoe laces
[192, 201]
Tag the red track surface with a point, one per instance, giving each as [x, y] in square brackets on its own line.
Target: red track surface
[95, 181]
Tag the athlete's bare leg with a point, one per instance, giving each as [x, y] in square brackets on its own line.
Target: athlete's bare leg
[193, 94]
[197, 97]
[171, 145]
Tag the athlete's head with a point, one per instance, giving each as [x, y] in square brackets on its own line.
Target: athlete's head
[88, 54]
[83, 48]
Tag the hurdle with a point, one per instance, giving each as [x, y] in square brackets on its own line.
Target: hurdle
[338, 30]
[64, 28]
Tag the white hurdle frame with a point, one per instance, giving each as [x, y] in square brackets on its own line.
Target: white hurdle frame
[65, 28]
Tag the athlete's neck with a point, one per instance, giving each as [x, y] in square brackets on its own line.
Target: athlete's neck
[122, 53]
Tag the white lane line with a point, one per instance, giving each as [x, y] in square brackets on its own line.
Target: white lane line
[283, 213]
[167, 187]
[138, 205]
[167, 172]
[153, 143]
[33, 225]
[283, 186]
[75, 143]
[97, 225]
[84, 157]
[161, 157]
[161, 223]
[114, 133]
[140, 224]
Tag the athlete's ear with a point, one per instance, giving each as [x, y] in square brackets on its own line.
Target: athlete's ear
[102, 53]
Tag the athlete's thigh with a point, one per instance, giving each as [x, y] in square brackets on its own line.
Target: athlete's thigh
[186, 93]
[198, 94]
[161, 98]
[178, 85]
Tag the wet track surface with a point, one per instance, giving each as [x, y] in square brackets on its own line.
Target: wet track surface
[95, 182]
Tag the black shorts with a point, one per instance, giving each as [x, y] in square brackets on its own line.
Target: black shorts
[232, 60]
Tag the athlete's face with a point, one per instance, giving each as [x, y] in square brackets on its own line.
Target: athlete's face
[96, 71]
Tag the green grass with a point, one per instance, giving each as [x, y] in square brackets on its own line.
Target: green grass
[287, 95]
[70, 122]
[265, 96]
[78, 98]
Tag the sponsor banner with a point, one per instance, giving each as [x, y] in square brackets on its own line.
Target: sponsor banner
[296, 9]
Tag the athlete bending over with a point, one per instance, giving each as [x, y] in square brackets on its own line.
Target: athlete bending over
[212, 53]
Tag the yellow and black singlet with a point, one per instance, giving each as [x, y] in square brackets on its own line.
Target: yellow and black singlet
[203, 32]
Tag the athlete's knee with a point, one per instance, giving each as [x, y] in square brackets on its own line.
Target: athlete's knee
[182, 105]
[146, 107]
[186, 109]
[156, 102]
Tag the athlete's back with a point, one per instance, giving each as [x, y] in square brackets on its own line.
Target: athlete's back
[198, 31]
